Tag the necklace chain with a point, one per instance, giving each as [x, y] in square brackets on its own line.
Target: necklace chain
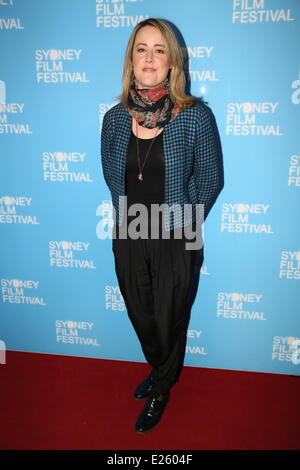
[140, 175]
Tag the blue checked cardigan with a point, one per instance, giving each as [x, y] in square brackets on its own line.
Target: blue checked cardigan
[192, 156]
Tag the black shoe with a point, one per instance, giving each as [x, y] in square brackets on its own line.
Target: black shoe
[151, 414]
[143, 390]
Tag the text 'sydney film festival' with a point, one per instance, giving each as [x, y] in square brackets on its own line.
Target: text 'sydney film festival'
[60, 72]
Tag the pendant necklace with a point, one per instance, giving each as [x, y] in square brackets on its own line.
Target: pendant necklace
[140, 175]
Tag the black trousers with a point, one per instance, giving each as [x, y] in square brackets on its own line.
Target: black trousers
[158, 279]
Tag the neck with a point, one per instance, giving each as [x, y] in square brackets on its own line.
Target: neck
[144, 132]
[164, 84]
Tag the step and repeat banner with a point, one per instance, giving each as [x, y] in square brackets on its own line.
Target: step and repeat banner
[60, 70]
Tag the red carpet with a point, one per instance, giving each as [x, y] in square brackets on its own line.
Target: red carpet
[70, 403]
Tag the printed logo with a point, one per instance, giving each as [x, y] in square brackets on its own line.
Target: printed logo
[50, 63]
[202, 74]
[57, 166]
[66, 254]
[248, 119]
[294, 171]
[114, 300]
[9, 24]
[15, 291]
[75, 332]
[290, 265]
[9, 205]
[11, 111]
[114, 14]
[286, 348]
[234, 305]
[246, 218]
[254, 11]
[193, 346]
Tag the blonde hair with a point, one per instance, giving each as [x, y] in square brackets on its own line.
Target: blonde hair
[176, 74]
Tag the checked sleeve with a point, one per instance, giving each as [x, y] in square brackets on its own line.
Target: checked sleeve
[208, 166]
[105, 139]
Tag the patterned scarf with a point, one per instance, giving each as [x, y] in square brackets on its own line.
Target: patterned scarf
[152, 107]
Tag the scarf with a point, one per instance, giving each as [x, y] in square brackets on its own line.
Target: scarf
[152, 107]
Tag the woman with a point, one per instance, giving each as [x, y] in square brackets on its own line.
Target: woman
[158, 147]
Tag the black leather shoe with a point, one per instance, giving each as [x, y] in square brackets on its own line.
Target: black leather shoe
[143, 390]
[151, 414]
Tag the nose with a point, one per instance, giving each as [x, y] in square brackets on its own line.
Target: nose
[149, 57]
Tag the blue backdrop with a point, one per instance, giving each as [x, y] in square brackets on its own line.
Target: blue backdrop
[60, 71]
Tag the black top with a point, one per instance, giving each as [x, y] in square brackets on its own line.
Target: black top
[151, 189]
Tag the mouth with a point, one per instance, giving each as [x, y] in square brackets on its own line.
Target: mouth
[148, 69]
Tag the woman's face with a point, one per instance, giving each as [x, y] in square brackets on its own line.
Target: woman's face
[149, 57]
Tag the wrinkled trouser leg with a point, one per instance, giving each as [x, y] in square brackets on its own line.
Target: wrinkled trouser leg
[158, 280]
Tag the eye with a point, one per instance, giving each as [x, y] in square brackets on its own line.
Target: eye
[160, 51]
[140, 49]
